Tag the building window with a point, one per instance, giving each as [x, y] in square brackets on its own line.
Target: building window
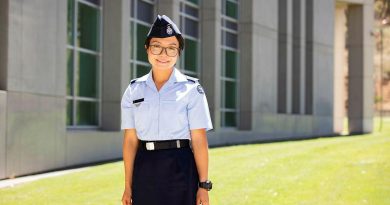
[230, 56]
[83, 63]
[189, 25]
[141, 19]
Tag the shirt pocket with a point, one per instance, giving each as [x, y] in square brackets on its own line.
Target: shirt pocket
[141, 115]
[173, 116]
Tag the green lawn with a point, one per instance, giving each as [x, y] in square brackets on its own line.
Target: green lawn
[344, 170]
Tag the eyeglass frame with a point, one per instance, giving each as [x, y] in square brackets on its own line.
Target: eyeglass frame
[164, 48]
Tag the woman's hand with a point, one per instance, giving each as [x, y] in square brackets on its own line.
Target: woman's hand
[202, 197]
[126, 198]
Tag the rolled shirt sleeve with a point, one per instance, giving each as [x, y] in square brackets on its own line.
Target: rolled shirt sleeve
[198, 110]
[127, 111]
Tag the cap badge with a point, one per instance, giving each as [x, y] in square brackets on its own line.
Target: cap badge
[169, 30]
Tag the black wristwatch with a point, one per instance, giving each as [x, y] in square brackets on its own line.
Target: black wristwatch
[206, 185]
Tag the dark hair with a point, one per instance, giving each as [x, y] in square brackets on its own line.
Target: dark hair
[178, 37]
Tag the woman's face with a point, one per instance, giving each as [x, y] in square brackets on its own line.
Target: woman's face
[163, 52]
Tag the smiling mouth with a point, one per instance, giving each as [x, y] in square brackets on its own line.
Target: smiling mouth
[160, 61]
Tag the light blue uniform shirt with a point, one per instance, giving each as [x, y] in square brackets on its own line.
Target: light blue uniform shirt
[179, 106]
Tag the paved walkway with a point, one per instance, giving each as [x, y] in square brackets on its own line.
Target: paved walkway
[19, 180]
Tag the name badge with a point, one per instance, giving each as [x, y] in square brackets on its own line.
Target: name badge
[138, 101]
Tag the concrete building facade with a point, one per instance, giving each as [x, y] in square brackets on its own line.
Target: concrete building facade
[272, 70]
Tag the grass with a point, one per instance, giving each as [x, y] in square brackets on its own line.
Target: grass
[344, 170]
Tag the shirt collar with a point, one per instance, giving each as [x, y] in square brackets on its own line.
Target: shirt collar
[176, 76]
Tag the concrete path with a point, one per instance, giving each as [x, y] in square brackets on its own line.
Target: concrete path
[20, 180]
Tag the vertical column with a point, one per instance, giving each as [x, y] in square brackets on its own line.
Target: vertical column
[170, 8]
[360, 45]
[261, 63]
[211, 55]
[116, 71]
[296, 57]
[285, 55]
[322, 42]
[246, 39]
[36, 86]
[3, 141]
[340, 66]
[3, 82]
[302, 57]
[309, 50]
[4, 43]
[289, 54]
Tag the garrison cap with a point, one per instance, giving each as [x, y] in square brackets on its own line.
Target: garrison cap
[163, 27]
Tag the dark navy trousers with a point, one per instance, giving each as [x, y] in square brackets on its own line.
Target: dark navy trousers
[165, 177]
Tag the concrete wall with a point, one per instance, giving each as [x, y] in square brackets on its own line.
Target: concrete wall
[210, 23]
[340, 67]
[360, 59]
[84, 147]
[323, 42]
[4, 43]
[36, 79]
[116, 72]
[3, 136]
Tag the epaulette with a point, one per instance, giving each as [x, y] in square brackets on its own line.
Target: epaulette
[192, 79]
[133, 81]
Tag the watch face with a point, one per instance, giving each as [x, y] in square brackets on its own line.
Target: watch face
[206, 185]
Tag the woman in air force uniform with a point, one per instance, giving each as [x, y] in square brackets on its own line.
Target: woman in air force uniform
[165, 117]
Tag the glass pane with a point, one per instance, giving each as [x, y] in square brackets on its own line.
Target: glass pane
[194, 1]
[230, 94]
[230, 64]
[142, 70]
[230, 119]
[87, 75]
[96, 2]
[191, 28]
[223, 38]
[231, 25]
[231, 40]
[191, 55]
[70, 25]
[181, 24]
[87, 113]
[231, 9]
[191, 11]
[142, 31]
[132, 8]
[132, 43]
[131, 70]
[88, 27]
[145, 12]
[69, 82]
[69, 112]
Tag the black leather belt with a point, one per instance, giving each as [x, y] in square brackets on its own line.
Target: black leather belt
[166, 144]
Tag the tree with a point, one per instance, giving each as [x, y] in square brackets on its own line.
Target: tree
[382, 10]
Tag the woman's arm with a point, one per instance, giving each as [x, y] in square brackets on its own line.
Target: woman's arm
[200, 148]
[130, 146]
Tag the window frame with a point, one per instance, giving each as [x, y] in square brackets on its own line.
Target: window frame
[223, 77]
[75, 50]
[133, 20]
[183, 15]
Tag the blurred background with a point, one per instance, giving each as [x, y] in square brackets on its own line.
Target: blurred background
[272, 71]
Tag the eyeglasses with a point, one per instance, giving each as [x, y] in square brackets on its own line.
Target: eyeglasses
[170, 51]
